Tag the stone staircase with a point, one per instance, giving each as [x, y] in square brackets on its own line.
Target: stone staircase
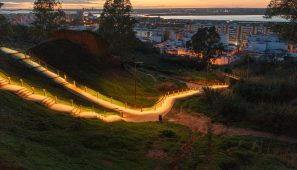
[48, 102]
[24, 92]
[76, 111]
[3, 82]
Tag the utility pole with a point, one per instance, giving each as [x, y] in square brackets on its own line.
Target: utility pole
[135, 71]
[248, 69]
[135, 83]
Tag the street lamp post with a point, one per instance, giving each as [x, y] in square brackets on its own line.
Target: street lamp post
[135, 70]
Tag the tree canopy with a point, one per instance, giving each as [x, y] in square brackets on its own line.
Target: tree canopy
[49, 16]
[207, 42]
[116, 26]
[284, 8]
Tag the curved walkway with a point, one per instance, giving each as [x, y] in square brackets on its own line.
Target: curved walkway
[52, 104]
[128, 114]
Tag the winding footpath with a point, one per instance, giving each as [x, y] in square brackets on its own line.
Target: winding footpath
[128, 114]
[51, 103]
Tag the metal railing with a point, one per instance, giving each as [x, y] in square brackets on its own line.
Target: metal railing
[98, 95]
[12, 80]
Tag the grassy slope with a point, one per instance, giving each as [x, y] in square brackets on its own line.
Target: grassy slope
[244, 153]
[111, 79]
[14, 69]
[176, 66]
[34, 138]
[266, 101]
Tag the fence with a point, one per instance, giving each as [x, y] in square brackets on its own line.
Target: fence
[41, 91]
[96, 94]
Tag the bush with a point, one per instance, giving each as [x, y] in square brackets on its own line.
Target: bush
[231, 109]
[229, 165]
[276, 118]
[261, 90]
[168, 134]
[210, 95]
[227, 106]
[167, 86]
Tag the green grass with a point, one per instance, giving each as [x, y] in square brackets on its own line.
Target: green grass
[196, 105]
[244, 153]
[111, 79]
[231, 110]
[265, 101]
[32, 137]
[16, 71]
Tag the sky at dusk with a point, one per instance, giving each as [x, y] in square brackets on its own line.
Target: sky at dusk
[151, 3]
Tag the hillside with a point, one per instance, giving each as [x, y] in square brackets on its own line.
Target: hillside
[16, 71]
[265, 99]
[111, 78]
[34, 138]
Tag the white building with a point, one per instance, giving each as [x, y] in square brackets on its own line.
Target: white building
[266, 44]
[224, 39]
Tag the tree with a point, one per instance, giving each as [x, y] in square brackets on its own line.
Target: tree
[116, 26]
[5, 27]
[286, 9]
[49, 16]
[207, 43]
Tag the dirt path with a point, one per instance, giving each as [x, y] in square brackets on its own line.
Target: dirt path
[201, 124]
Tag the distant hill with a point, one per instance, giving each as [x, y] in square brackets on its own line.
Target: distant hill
[73, 47]
[91, 42]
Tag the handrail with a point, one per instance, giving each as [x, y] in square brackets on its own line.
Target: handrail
[93, 92]
[40, 90]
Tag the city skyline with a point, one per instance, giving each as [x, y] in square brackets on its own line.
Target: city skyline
[67, 4]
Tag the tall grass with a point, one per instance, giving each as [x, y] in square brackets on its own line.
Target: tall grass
[232, 108]
[267, 89]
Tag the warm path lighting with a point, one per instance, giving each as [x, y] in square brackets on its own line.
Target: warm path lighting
[131, 115]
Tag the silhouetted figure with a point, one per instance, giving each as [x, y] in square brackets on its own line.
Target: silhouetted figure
[160, 118]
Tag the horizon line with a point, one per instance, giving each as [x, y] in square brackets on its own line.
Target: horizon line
[154, 8]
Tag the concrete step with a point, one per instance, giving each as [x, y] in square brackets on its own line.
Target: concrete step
[76, 111]
[21, 90]
[2, 80]
[3, 83]
[25, 93]
[48, 102]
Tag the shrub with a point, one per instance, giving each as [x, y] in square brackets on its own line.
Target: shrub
[210, 95]
[167, 86]
[276, 118]
[229, 165]
[277, 91]
[231, 109]
[168, 134]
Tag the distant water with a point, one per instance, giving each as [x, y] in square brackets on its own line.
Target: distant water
[250, 18]
[21, 11]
